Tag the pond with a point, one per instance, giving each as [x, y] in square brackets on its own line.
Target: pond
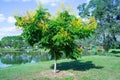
[22, 57]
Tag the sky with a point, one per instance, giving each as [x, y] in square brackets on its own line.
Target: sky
[8, 8]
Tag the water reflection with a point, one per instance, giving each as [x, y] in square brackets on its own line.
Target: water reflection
[4, 65]
[20, 57]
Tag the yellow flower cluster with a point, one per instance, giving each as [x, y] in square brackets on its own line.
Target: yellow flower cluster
[43, 26]
[64, 34]
[92, 24]
[78, 24]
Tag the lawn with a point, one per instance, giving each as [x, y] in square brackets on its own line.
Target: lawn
[85, 68]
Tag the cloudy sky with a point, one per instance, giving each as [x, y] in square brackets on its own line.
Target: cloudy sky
[8, 8]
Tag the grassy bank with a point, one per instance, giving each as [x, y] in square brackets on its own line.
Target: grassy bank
[86, 68]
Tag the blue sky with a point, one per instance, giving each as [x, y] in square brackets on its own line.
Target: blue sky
[8, 8]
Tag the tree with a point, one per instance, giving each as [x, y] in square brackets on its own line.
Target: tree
[107, 14]
[0, 44]
[12, 41]
[57, 34]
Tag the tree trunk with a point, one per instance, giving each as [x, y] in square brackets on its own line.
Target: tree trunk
[55, 65]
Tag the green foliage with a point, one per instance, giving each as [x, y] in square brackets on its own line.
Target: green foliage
[107, 13]
[32, 25]
[0, 44]
[13, 42]
[12, 38]
[58, 34]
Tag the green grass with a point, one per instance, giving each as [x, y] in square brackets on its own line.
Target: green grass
[85, 68]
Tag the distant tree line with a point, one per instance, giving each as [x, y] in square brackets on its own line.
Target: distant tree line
[13, 42]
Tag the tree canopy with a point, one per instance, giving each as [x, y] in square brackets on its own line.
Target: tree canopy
[57, 34]
[107, 14]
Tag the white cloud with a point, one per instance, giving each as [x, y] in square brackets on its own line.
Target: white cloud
[9, 31]
[43, 1]
[17, 0]
[88, 1]
[48, 1]
[53, 4]
[7, 0]
[2, 18]
[26, 0]
[11, 19]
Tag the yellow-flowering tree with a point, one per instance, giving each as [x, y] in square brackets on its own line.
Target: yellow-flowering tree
[58, 34]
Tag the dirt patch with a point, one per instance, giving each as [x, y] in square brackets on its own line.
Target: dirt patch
[47, 74]
[50, 74]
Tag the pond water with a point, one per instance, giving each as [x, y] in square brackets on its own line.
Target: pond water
[4, 65]
[22, 57]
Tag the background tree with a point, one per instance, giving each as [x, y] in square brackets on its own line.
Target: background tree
[107, 14]
[0, 44]
[13, 42]
[58, 34]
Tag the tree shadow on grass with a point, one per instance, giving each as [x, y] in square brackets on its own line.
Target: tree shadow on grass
[115, 52]
[77, 65]
[117, 55]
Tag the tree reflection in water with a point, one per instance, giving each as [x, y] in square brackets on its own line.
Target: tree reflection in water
[20, 57]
